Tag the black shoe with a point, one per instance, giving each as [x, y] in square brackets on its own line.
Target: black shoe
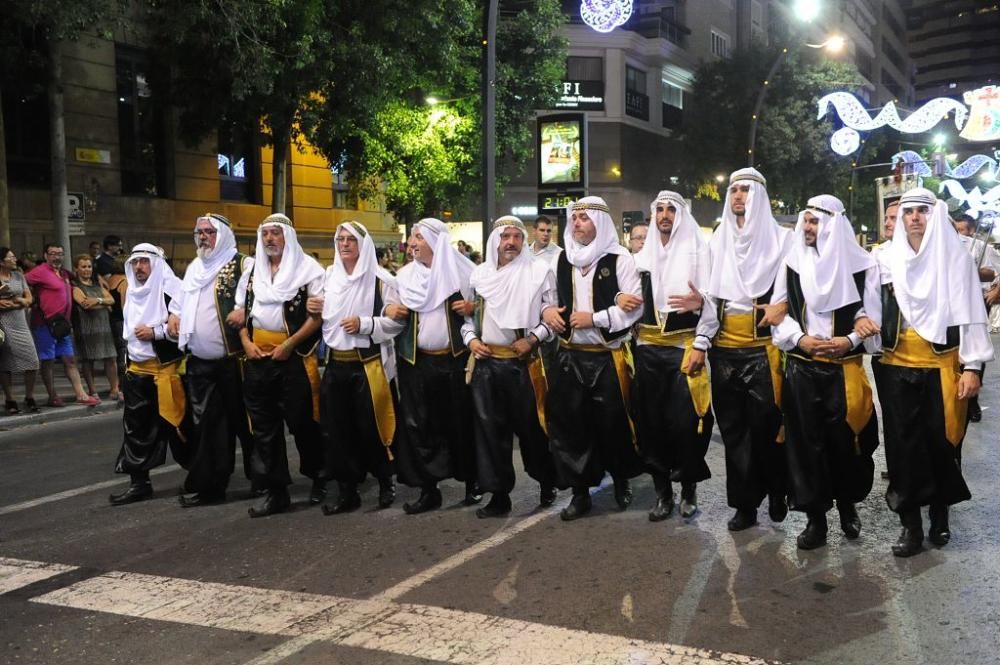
[663, 509]
[133, 493]
[348, 499]
[429, 500]
[30, 405]
[689, 500]
[939, 533]
[911, 538]
[547, 495]
[777, 509]
[850, 523]
[201, 499]
[623, 493]
[975, 412]
[814, 535]
[577, 508]
[318, 492]
[386, 493]
[743, 519]
[498, 506]
[257, 491]
[473, 494]
[273, 503]
[12, 408]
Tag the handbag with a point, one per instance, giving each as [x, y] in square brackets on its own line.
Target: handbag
[59, 327]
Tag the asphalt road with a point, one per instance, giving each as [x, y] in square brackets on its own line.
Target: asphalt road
[82, 582]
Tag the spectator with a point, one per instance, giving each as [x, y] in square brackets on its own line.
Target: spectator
[476, 257]
[116, 285]
[18, 351]
[112, 249]
[27, 261]
[95, 249]
[92, 327]
[50, 325]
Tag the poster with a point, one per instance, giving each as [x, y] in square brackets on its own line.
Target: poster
[560, 153]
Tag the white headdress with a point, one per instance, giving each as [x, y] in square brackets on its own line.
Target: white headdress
[202, 271]
[606, 240]
[295, 271]
[684, 259]
[144, 303]
[423, 289]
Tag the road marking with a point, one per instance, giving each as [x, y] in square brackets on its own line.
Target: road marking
[404, 629]
[17, 573]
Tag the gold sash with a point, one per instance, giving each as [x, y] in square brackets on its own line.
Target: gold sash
[699, 384]
[624, 369]
[268, 340]
[169, 390]
[912, 350]
[381, 394]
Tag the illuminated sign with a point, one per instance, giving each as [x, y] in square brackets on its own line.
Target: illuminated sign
[93, 156]
[984, 115]
[581, 96]
[556, 202]
[561, 156]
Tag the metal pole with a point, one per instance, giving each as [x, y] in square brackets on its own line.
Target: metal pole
[752, 139]
[489, 119]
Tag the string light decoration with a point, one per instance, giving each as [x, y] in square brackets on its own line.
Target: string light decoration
[853, 114]
[605, 15]
[976, 200]
[845, 141]
[914, 163]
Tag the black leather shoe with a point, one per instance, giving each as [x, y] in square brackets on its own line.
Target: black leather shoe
[498, 506]
[623, 493]
[664, 507]
[814, 535]
[577, 508]
[777, 509]
[318, 492]
[910, 542]
[939, 533]
[975, 412]
[133, 493]
[429, 500]
[273, 503]
[347, 500]
[386, 492]
[201, 499]
[547, 495]
[473, 494]
[689, 500]
[850, 523]
[743, 519]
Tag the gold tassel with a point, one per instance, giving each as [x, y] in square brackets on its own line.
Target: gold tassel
[701, 425]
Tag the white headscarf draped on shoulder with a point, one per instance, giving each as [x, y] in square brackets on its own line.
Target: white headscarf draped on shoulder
[827, 270]
[424, 289]
[351, 294]
[514, 291]
[684, 259]
[938, 285]
[202, 271]
[748, 259]
[606, 240]
[295, 271]
[144, 304]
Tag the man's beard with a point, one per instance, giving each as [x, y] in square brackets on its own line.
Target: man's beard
[272, 251]
[204, 253]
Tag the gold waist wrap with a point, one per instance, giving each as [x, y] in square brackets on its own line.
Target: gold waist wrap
[170, 398]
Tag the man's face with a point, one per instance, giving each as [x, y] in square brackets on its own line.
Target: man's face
[95, 249]
[543, 234]
[889, 221]
[965, 228]
[422, 250]
[915, 223]
[273, 238]
[738, 195]
[666, 213]
[54, 256]
[205, 237]
[810, 229]
[114, 250]
[584, 229]
[141, 269]
[347, 247]
[511, 242]
[637, 238]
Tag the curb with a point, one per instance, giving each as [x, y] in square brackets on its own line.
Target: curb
[53, 415]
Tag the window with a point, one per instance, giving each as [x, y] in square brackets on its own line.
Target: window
[720, 44]
[584, 69]
[635, 79]
[636, 99]
[140, 126]
[238, 165]
[673, 95]
[342, 197]
[26, 126]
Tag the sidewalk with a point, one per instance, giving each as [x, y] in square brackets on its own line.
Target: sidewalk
[48, 414]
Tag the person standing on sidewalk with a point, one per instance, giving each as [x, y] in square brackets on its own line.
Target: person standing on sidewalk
[92, 332]
[17, 354]
[50, 323]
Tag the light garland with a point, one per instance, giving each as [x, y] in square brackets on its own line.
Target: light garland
[853, 114]
[605, 15]
[966, 169]
[976, 200]
[845, 141]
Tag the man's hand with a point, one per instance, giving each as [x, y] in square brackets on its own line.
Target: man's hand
[993, 296]
[835, 348]
[986, 275]
[969, 384]
[696, 362]
[689, 302]
[237, 319]
[282, 352]
[173, 326]
[314, 305]
[524, 346]
[397, 312]
[812, 345]
[351, 325]
[581, 320]
[773, 314]
[552, 317]
[865, 327]
[628, 302]
[145, 333]
[463, 307]
[479, 349]
[253, 351]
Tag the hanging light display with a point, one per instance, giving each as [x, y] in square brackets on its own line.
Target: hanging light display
[605, 15]
[852, 113]
[845, 141]
[976, 200]
[914, 163]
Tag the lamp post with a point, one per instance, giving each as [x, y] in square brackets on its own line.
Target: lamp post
[489, 97]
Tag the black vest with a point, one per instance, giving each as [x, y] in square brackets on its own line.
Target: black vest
[760, 332]
[605, 286]
[373, 349]
[892, 323]
[226, 282]
[676, 322]
[406, 341]
[843, 317]
[295, 316]
[166, 349]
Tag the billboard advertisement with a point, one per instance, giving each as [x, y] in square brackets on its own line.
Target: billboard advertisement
[561, 151]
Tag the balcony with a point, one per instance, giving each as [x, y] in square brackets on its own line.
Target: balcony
[653, 26]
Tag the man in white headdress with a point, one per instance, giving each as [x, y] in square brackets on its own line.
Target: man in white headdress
[934, 343]
[434, 398]
[154, 396]
[670, 402]
[832, 287]
[281, 374]
[357, 405]
[586, 407]
[213, 383]
[747, 250]
[508, 384]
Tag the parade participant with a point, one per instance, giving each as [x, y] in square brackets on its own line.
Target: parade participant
[357, 406]
[543, 247]
[154, 395]
[508, 384]
[747, 250]
[434, 398]
[209, 331]
[670, 401]
[889, 228]
[587, 404]
[832, 287]
[281, 375]
[934, 342]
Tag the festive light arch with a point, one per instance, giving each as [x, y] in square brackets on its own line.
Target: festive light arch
[605, 15]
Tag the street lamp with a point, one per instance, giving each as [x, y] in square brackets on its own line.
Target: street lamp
[489, 93]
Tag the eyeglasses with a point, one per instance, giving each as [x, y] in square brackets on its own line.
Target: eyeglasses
[55, 253]
[205, 232]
